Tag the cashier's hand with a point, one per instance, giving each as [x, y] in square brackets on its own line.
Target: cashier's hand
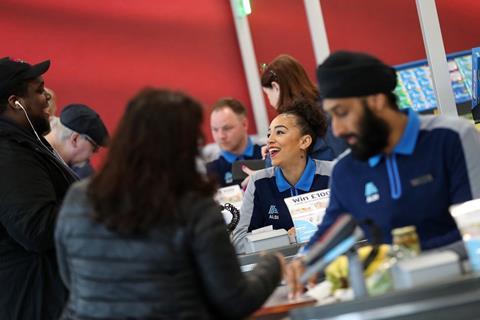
[292, 276]
[264, 151]
[245, 181]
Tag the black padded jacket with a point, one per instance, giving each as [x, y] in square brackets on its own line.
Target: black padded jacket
[186, 270]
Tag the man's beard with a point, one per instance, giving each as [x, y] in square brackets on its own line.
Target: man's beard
[372, 137]
[41, 125]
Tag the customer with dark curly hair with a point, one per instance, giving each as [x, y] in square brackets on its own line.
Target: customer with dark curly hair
[143, 239]
[291, 136]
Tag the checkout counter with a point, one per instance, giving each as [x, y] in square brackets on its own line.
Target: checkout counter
[436, 284]
[457, 298]
[453, 297]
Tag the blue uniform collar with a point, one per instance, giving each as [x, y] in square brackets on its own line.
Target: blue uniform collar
[407, 142]
[231, 157]
[305, 182]
[320, 144]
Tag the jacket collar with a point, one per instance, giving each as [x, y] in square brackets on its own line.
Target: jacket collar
[231, 157]
[406, 144]
[15, 131]
[304, 183]
[320, 144]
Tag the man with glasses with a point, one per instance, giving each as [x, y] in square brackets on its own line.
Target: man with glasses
[76, 135]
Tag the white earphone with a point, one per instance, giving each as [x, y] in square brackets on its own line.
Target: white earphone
[19, 105]
[53, 152]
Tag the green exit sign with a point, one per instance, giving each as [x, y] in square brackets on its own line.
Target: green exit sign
[243, 8]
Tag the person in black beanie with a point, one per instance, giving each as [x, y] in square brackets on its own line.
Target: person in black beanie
[403, 169]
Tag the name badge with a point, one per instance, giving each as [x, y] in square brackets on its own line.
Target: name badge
[421, 180]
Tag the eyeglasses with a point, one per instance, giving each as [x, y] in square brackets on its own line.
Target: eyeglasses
[93, 143]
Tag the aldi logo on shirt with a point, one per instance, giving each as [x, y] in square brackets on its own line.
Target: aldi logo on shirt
[228, 177]
[273, 213]
[371, 192]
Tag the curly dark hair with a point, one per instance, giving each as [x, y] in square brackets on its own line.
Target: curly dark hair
[310, 119]
[151, 164]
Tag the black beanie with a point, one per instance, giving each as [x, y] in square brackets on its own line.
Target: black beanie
[353, 74]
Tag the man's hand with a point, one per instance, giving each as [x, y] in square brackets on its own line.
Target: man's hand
[292, 276]
[294, 271]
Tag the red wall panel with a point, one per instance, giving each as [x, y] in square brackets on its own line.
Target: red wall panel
[460, 24]
[280, 26]
[102, 52]
[388, 29]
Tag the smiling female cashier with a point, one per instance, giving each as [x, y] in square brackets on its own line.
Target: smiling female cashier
[291, 135]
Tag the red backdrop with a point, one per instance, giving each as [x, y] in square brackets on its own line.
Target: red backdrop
[388, 29]
[104, 51]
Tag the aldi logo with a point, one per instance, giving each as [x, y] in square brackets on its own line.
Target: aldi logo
[273, 209]
[228, 177]
[371, 192]
[273, 213]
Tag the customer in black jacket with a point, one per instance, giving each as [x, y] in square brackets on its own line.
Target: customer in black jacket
[33, 182]
[144, 239]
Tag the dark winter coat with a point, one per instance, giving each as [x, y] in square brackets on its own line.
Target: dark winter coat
[183, 270]
[33, 183]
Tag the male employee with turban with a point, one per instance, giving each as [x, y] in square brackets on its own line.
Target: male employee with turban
[403, 168]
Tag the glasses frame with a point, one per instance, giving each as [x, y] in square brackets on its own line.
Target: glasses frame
[95, 146]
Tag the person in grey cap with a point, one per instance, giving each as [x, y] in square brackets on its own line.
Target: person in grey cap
[403, 168]
[76, 135]
[33, 183]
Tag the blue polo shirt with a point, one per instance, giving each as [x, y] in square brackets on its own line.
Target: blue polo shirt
[435, 164]
[263, 202]
[221, 168]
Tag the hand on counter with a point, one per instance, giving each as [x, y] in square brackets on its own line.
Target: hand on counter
[292, 276]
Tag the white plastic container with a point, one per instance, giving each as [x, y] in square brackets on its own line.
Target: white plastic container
[467, 217]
